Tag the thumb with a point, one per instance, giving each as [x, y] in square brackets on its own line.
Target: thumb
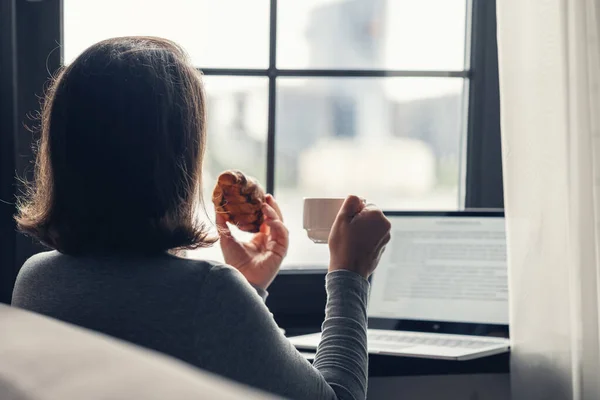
[352, 206]
[222, 228]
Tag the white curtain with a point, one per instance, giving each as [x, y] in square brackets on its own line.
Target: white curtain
[550, 105]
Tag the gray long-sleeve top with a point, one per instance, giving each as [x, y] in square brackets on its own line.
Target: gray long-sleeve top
[207, 315]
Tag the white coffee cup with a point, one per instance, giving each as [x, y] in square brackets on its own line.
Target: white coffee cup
[319, 216]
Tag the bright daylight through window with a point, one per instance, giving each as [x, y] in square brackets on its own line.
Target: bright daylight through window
[367, 96]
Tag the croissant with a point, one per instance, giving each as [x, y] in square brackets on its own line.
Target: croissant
[240, 198]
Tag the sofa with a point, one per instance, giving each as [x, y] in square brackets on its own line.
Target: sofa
[44, 359]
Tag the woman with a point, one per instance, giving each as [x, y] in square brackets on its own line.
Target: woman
[118, 178]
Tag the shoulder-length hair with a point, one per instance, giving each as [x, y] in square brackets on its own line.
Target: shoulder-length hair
[119, 161]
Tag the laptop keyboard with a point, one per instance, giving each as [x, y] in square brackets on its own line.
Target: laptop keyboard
[414, 340]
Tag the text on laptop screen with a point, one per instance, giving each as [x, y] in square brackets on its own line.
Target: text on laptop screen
[443, 269]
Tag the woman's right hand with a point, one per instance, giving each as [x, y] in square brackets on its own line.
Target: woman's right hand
[358, 237]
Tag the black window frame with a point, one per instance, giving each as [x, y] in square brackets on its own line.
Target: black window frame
[31, 33]
[8, 126]
[273, 73]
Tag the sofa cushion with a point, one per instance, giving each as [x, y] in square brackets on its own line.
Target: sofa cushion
[41, 358]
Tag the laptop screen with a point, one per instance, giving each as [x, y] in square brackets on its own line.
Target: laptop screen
[443, 268]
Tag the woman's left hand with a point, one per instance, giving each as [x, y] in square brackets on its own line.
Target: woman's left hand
[260, 258]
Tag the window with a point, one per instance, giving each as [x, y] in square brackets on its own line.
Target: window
[317, 97]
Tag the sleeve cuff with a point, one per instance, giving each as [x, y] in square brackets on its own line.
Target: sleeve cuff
[261, 292]
[344, 274]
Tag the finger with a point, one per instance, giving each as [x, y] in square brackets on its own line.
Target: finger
[278, 230]
[352, 206]
[377, 217]
[271, 201]
[371, 206]
[385, 240]
[270, 213]
[264, 228]
[221, 222]
[279, 237]
[226, 238]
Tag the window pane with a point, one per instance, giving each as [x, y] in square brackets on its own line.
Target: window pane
[395, 141]
[224, 33]
[237, 136]
[357, 34]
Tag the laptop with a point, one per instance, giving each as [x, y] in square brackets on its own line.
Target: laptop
[440, 290]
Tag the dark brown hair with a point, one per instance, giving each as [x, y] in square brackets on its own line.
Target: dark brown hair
[119, 161]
